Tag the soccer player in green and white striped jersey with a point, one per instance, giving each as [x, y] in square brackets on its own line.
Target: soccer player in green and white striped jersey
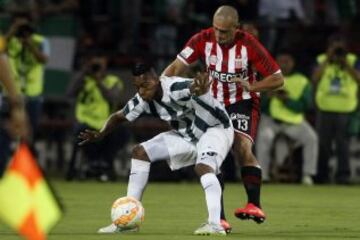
[201, 135]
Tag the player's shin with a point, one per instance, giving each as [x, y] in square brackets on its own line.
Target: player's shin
[212, 190]
[220, 178]
[251, 176]
[138, 178]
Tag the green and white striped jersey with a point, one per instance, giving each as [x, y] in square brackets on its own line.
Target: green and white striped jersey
[189, 115]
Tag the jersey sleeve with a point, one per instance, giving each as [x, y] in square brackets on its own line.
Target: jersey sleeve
[135, 107]
[180, 90]
[191, 52]
[260, 57]
[2, 44]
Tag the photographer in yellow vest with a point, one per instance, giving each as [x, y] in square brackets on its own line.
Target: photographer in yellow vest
[28, 53]
[337, 78]
[97, 94]
[287, 108]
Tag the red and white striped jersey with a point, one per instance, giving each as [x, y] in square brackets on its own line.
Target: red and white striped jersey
[226, 62]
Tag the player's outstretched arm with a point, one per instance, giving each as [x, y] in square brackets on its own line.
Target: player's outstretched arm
[271, 82]
[111, 123]
[176, 68]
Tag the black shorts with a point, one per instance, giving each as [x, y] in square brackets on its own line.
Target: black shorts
[245, 117]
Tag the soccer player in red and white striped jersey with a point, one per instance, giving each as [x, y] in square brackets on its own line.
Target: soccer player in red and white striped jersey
[233, 57]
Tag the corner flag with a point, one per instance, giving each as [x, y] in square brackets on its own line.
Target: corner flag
[26, 202]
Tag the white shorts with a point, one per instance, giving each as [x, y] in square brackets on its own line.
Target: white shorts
[180, 153]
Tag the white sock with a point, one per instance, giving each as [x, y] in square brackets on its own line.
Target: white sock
[212, 190]
[138, 178]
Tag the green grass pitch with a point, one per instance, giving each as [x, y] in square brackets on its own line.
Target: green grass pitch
[175, 210]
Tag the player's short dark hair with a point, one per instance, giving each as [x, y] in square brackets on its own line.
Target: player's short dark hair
[140, 68]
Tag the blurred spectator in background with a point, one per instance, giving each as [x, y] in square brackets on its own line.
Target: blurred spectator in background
[330, 12]
[129, 25]
[287, 108]
[16, 6]
[97, 94]
[38, 8]
[17, 126]
[28, 53]
[247, 9]
[166, 32]
[200, 12]
[277, 16]
[250, 28]
[50, 7]
[337, 78]
[101, 26]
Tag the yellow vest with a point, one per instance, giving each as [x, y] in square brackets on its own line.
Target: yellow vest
[337, 90]
[294, 85]
[91, 107]
[27, 71]
[2, 44]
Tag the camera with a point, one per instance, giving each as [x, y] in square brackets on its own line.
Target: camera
[340, 52]
[95, 67]
[24, 31]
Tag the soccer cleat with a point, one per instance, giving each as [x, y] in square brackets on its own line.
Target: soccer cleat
[226, 225]
[250, 212]
[112, 228]
[210, 229]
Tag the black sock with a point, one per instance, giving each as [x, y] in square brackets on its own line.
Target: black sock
[220, 177]
[251, 177]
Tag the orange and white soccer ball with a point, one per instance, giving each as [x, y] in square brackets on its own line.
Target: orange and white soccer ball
[127, 213]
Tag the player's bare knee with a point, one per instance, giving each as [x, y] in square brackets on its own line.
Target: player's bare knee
[202, 169]
[248, 158]
[207, 163]
[139, 153]
[243, 149]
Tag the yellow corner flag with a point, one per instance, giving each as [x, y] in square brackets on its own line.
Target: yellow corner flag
[26, 201]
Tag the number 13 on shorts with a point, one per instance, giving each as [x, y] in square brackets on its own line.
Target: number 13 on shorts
[242, 124]
[245, 117]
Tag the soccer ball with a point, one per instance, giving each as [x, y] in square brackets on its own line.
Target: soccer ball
[127, 213]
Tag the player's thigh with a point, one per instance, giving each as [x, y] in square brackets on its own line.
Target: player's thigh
[245, 117]
[171, 147]
[215, 140]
